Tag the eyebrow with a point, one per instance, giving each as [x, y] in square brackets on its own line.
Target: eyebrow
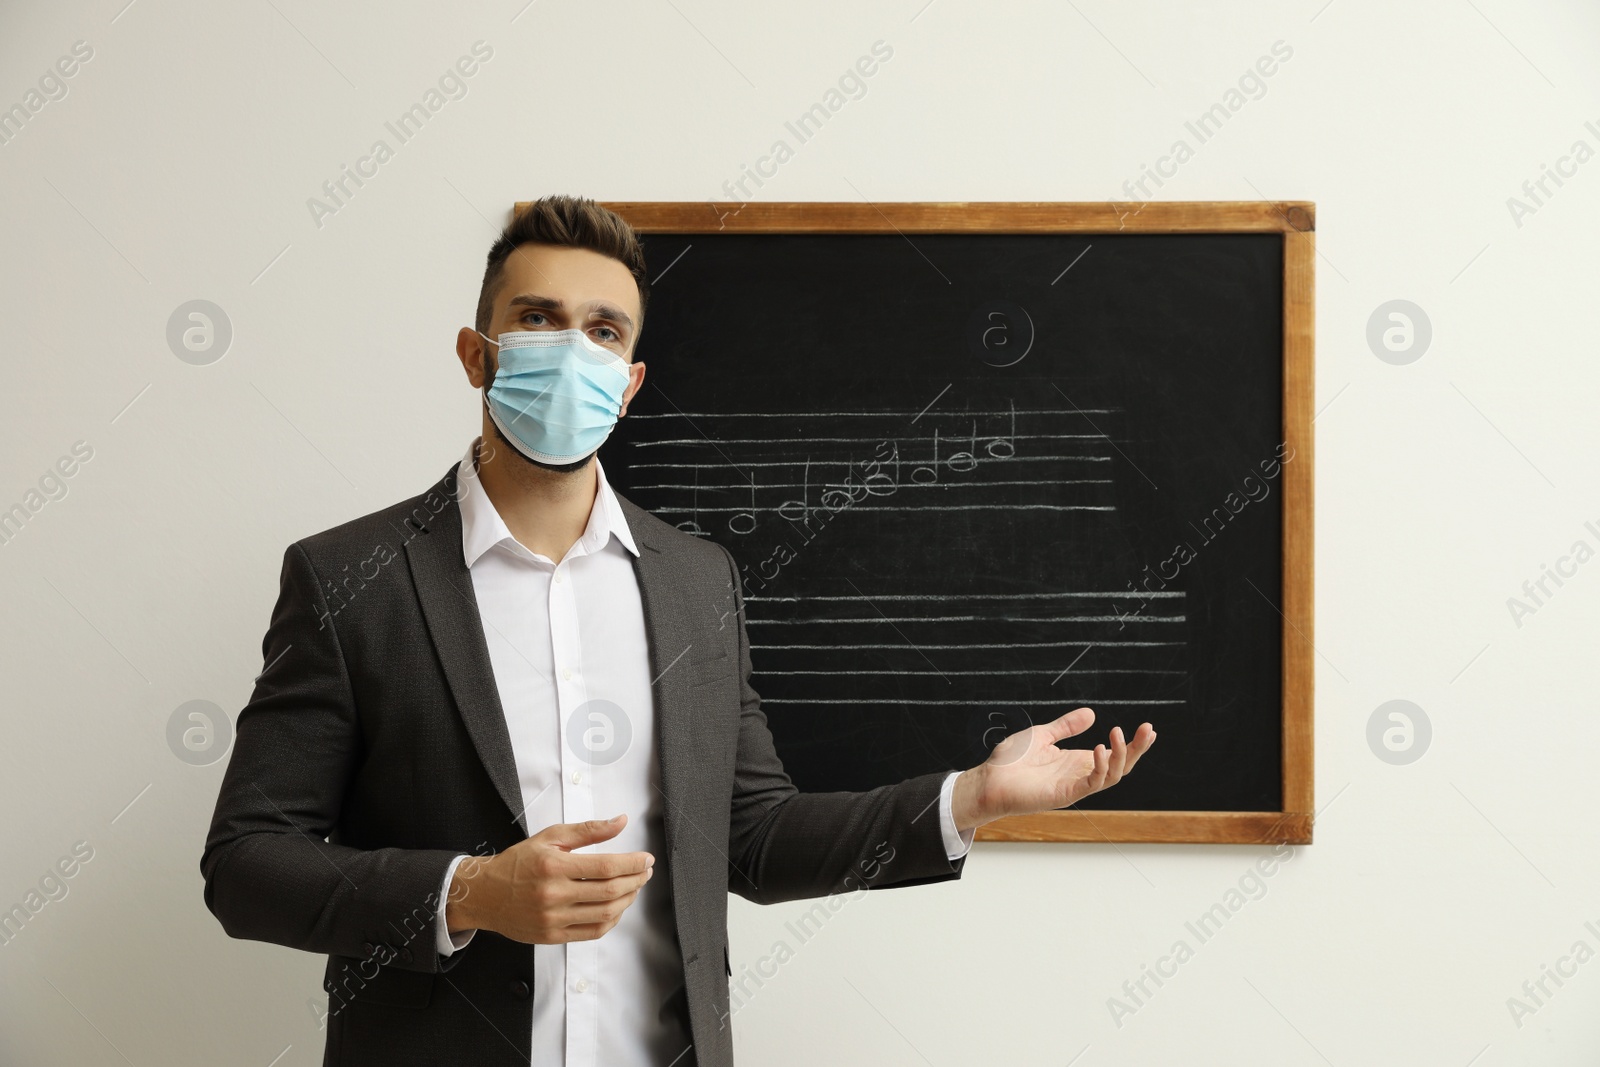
[600, 309]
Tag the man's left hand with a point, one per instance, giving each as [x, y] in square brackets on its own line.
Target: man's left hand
[1027, 773]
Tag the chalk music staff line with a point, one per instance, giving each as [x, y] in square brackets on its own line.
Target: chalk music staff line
[765, 470]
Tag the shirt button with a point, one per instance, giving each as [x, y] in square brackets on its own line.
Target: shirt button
[567, 674]
[558, 577]
[583, 985]
[577, 778]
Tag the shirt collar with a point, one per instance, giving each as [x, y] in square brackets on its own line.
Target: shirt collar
[482, 528]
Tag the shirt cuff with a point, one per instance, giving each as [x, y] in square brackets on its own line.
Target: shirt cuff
[955, 844]
[444, 940]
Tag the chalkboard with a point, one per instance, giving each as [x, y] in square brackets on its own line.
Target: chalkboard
[982, 464]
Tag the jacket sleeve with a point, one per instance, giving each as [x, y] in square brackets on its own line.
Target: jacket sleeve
[785, 844]
[271, 873]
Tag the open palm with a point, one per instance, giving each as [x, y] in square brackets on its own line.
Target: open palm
[1027, 773]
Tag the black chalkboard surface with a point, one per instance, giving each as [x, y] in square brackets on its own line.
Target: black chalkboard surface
[976, 479]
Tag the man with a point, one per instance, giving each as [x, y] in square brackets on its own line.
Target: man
[504, 762]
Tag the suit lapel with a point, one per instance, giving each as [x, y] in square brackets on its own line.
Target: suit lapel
[450, 609]
[666, 628]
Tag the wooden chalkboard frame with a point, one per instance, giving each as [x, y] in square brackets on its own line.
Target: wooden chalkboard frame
[1296, 221]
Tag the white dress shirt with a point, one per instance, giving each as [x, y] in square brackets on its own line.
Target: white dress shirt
[571, 663]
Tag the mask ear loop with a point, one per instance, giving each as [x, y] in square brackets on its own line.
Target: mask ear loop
[487, 386]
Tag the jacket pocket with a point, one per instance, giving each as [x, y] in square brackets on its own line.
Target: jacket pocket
[709, 670]
[352, 980]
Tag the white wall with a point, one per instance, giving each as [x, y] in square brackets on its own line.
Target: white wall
[178, 168]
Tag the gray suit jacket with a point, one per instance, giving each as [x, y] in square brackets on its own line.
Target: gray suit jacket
[374, 750]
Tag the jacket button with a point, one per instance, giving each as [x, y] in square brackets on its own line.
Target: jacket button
[405, 954]
[368, 948]
[520, 989]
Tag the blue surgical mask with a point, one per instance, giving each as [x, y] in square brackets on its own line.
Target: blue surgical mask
[557, 394]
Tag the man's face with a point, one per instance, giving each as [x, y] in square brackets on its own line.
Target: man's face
[548, 287]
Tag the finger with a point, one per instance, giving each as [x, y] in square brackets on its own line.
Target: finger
[596, 912]
[1073, 722]
[1143, 738]
[605, 864]
[585, 932]
[570, 835]
[1097, 777]
[603, 889]
[1119, 757]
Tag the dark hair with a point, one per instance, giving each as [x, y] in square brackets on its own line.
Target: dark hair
[571, 222]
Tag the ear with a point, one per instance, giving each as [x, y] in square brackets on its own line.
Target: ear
[635, 380]
[473, 351]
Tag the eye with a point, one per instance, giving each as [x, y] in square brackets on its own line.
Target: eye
[614, 335]
[532, 314]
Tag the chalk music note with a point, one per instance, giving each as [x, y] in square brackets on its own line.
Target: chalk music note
[692, 525]
[787, 508]
[961, 462]
[876, 479]
[739, 519]
[1005, 447]
[931, 469]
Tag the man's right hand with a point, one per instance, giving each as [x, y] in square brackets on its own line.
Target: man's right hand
[540, 892]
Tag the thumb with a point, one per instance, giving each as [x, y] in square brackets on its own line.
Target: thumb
[1073, 722]
[571, 835]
